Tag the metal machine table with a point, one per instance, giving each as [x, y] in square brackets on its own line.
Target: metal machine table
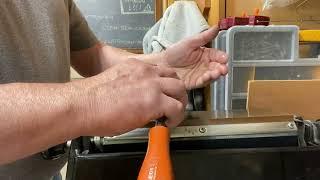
[220, 145]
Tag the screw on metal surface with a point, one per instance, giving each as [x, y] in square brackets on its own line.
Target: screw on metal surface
[202, 130]
[291, 125]
[68, 145]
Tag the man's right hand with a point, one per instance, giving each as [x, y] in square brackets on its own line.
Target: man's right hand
[128, 96]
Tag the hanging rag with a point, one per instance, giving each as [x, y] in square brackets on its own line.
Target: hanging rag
[181, 20]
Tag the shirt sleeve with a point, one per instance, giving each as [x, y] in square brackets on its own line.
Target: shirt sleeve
[81, 36]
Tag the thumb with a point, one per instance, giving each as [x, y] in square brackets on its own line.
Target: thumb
[204, 37]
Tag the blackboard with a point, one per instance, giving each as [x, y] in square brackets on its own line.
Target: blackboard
[120, 23]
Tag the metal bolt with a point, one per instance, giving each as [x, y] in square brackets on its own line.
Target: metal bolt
[68, 144]
[291, 125]
[202, 130]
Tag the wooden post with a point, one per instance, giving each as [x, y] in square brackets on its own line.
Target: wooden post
[204, 6]
[217, 11]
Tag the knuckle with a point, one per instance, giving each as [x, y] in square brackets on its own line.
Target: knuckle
[151, 84]
[202, 39]
[172, 72]
[168, 71]
[180, 107]
[181, 86]
[144, 69]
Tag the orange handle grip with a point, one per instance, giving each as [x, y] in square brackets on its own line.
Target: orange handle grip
[256, 11]
[157, 163]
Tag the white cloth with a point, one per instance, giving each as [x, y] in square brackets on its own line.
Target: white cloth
[181, 20]
[269, 4]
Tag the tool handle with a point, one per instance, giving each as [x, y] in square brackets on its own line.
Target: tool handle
[157, 163]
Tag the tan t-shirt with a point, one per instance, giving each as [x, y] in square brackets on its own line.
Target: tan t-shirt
[36, 37]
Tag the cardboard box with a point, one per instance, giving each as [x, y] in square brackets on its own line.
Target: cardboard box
[301, 98]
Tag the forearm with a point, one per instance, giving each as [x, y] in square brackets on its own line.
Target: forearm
[92, 61]
[115, 55]
[34, 117]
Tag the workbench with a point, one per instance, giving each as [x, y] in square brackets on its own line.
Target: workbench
[209, 145]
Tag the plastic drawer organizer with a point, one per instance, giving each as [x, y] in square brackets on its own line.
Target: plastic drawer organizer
[258, 53]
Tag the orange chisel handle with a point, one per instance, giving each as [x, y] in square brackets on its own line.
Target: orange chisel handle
[157, 162]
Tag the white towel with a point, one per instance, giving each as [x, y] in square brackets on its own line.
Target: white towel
[181, 20]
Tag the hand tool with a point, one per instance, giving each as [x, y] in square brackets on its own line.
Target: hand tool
[157, 163]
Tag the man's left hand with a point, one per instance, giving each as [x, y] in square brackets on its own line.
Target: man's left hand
[196, 65]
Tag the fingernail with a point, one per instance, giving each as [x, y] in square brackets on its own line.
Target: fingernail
[223, 54]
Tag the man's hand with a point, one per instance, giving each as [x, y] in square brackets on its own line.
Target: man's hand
[195, 64]
[36, 116]
[127, 96]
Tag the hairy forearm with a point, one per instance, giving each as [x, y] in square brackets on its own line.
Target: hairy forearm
[115, 55]
[92, 61]
[34, 117]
